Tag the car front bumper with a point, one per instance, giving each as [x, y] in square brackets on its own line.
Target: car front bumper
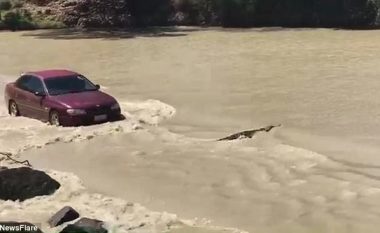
[90, 118]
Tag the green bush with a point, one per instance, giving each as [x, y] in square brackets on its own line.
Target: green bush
[17, 3]
[13, 20]
[48, 24]
[198, 12]
[150, 12]
[39, 2]
[297, 13]
[238, 12]
[228, 13]
[5, 5]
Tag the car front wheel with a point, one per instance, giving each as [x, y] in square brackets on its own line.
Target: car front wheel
[54, 118]
[13, 109]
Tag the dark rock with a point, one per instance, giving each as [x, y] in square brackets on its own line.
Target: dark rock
[19, 227]
[25, 183]
[85, 225]
[66, 214]
[3, 168]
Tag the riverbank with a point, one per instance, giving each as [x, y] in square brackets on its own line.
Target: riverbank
[126, 14]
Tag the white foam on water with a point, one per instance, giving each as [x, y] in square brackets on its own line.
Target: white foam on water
[191, 177]
[3, 81]
[149, 112]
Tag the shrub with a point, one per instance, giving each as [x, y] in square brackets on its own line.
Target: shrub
[196, 11]
[98, 13]
[48, 24]
[238, 12]
[298, 13]
[13, 20]
[228, 13]
[17, 3]
[5, 5]
[40, 2]
[150, 12]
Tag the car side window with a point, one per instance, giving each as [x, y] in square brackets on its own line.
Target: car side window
[22, 82]
[35, 85]
[30, 83]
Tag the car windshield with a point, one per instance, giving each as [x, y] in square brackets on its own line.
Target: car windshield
[68, 84]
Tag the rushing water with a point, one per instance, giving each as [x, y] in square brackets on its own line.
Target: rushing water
[317, 173]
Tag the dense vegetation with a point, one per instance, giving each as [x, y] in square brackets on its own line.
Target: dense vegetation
[299, 13]
[289, 13]
[227, 13]
[15, 16]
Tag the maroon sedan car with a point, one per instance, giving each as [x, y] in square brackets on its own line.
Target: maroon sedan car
[60, 97]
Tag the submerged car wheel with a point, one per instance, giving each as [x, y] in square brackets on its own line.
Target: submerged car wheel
[13, 109]
[54, 118]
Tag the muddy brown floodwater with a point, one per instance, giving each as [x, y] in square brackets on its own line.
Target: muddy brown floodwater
[319, 172]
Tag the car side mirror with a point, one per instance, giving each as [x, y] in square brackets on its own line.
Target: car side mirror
[97, 86]
[41, 94]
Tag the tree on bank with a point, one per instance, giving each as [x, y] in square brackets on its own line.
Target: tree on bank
[150, 12]
[346, 13]
[228, 13]
[298, 13]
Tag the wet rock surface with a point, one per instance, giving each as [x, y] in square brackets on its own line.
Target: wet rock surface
[25, 183]
[248, 133]
[66, 214]
[85, 225]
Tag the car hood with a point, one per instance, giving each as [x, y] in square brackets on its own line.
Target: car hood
[83, 100]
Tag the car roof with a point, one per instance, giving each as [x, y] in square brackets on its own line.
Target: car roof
[44, 74]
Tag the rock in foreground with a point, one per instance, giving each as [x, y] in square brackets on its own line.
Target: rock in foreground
[19, 227]
[85, 225]
[66, 214]
[25, 183]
